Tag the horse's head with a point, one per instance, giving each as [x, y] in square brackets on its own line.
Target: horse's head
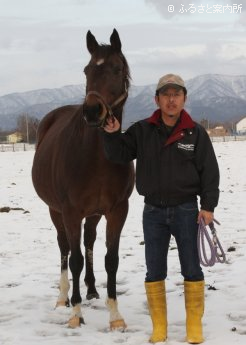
[107, 80]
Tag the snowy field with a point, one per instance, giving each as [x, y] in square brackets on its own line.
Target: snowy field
[29, 266]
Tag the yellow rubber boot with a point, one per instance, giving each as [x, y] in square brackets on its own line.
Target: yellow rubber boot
[156, 296]
[194, 305]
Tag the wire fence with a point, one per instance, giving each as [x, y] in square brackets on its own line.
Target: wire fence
[13, 147]
[228, 138]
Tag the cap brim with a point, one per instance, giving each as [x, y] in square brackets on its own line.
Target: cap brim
[170, 85]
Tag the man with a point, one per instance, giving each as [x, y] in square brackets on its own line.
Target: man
[175, 163]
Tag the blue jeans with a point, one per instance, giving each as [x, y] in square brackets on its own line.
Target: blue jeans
[158, 226]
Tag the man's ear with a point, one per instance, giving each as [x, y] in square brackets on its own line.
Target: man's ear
[157, 100]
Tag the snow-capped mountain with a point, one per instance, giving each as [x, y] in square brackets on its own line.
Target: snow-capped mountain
[37, 103]
[221, 85]
[218, 98]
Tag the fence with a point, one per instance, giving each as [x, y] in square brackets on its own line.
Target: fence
[30, 147]
[16, 147]
[228, 138]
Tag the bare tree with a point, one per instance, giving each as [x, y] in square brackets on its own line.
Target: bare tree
[27, 125]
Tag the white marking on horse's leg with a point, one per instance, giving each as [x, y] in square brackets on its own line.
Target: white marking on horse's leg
[113, 310]
[77, 310]
[76, 317]
[64, 288]
[115, 318]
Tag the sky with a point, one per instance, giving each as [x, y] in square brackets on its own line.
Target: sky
[43, 43]
[30, 268]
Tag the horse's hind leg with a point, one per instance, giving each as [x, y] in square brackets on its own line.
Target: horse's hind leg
[115, 223]
[72, 222]
[89, 240]
[56, 217]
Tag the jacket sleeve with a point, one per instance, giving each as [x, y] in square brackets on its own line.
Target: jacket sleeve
[120, 147]
[208, 169]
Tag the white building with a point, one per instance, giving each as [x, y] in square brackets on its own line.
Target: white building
[241, 126]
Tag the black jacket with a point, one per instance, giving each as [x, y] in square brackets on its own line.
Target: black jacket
[170, 169]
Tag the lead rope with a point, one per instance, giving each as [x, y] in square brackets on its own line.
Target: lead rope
[217, 253]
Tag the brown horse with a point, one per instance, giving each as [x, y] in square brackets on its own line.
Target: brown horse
[72, 176]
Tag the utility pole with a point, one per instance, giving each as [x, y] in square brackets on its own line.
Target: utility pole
[27, 128]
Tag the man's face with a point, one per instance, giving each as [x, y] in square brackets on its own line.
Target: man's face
[171, 101]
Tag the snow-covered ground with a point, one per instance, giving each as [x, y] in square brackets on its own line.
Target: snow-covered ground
[29, 266]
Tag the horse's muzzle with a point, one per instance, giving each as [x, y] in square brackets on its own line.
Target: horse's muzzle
[94, 115]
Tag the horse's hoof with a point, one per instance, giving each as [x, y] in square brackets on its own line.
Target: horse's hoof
[118, 325]
[75, 322]
[63, 303]
[90, 296]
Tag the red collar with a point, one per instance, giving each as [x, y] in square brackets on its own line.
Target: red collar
[185, 122]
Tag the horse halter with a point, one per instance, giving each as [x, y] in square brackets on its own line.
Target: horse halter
[107, 109]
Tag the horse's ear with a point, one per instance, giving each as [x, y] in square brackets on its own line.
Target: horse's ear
[115, 41]
[91, 42]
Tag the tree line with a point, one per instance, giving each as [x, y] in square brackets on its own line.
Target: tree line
[26, 126]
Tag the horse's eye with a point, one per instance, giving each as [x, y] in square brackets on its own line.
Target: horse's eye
[117, 70]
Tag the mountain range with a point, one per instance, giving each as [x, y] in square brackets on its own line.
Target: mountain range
[216, 98]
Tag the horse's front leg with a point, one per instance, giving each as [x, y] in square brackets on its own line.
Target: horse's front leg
[72, 222]
[89, 240]
[115, 223]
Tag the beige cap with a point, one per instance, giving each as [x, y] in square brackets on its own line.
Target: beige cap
[171, 79]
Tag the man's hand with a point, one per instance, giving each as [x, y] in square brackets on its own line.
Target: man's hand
[112, 125]
[207, 217]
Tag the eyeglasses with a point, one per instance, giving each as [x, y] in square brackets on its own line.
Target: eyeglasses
[174, 95]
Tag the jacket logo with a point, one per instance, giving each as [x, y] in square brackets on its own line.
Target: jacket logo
[186, 147]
